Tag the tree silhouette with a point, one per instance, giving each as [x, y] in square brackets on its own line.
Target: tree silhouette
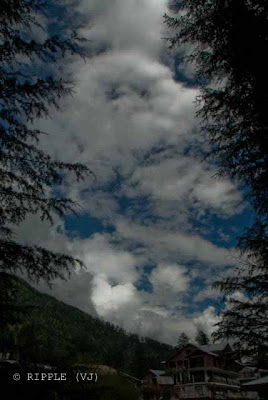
[245, 317]
[29, 176]
[201, 337]
[183, 340]
[228, 40]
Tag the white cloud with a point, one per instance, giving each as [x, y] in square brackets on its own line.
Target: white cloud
[114, 302]
[129, 24]
[207, 320]
[101, 257]
[186, 180]
[207, 293]
[165, 244]
[127, 106]
[170, 277]
[236, 296]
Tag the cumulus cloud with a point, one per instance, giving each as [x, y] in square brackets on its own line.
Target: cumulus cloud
[170, 277]
[207, 320]
[207, 293]
[113, 301]
[133, 124]
[164, 244]
[186, 180]
[101, 257]
[128, 24]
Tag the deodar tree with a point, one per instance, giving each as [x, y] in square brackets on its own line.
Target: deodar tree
[28, 175]
[201, 337]
[227, 41]
[183, 340]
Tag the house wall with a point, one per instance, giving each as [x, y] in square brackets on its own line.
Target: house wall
[150, 382]
[209, 362]
[191, 392]
[182, 354]
[202, 375]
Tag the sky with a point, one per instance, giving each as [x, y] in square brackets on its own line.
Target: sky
[155, 227]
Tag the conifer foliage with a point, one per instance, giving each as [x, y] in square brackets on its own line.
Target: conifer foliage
[228, 41]
[28, 176]
[183, 340]
[201, 337]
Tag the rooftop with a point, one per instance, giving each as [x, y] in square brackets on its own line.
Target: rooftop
[157, 372]
[214, 347]
[165, 380]
[257, 382]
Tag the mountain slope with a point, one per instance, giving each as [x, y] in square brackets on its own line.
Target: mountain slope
[50, 331]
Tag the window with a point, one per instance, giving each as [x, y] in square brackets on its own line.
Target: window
[198, 376]
[176, 379]
[185, 377]
[196, 362]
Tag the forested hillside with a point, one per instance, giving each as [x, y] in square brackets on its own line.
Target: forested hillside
[49, 331]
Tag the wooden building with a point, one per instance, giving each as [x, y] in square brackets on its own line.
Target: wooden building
[157, 385]
[204, 372]
[259, 386]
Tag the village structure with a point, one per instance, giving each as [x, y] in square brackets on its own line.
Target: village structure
[192, 373]
[205, 372]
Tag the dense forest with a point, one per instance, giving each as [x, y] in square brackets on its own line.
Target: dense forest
[64, 335]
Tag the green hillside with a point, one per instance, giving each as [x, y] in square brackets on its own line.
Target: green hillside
[49, 331]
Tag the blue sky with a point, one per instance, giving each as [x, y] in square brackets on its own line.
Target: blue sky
[155, 228]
